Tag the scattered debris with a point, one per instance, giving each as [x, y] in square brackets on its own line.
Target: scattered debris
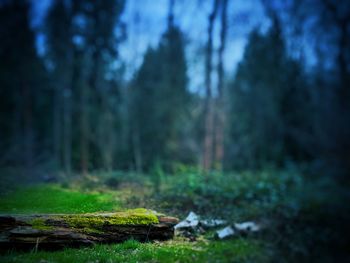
[238, 228]
[247, 227]
[192, 217]
[191, 221]
[213, 223]
[194, 225]
[226, 232]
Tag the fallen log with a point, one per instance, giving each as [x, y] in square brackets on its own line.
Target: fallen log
[55, 231]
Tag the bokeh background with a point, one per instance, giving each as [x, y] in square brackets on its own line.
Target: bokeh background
[238, 108]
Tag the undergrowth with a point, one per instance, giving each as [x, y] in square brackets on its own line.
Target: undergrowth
[306, 218]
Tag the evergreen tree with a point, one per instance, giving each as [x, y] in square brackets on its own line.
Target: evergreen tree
[158, 100]
[22, 93]
[265, 121]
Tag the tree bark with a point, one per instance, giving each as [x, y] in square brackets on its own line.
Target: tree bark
[208, 104]
[51, 232]
[137, 150]
[67, 135]
[85, 123]
[219, 121]
[28, 129]
[57, 111]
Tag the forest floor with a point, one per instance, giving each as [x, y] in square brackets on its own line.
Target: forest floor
[307, 218]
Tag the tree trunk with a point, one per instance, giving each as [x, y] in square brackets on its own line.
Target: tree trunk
[57, 126]
[106, 133]
[28, 130]
[71, 230]
[137, 150]
[67, 132]
[85, 124]
[17, 141]
[219, 121]
[208, 104]
[84, 128]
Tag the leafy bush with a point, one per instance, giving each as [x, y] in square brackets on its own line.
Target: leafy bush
[242, 195]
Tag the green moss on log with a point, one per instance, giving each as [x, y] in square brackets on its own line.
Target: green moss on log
[40, 224]
[95, 222]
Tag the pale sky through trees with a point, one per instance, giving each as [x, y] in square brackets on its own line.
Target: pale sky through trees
[146, 21]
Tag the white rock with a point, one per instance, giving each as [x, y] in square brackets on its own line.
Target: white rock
[213, 222]
[226, 232]
[192, 217]
[192, 220]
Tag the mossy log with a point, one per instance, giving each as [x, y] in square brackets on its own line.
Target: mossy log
[55, 231]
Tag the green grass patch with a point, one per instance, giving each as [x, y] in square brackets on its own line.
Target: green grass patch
[54, 199]
[238, 250]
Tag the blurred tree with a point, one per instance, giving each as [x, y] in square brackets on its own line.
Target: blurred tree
[265, 122]
[220, 109]
[214, 109]
[158, 100]
[208, 144]
[22, 93]
[104, 31]
[82, 43]
[327, 24]
[60, 53]
[337, 16]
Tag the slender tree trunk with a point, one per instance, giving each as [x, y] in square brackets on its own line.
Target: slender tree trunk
[110, 142]
[84, 129]
[69, 82]
[57, 126]
[85, 121]
[67, 132]
[137, 150]
[28, 130]
[17, 128]
[208, 104]
[209, 134]
[107, 133]
[220, 107]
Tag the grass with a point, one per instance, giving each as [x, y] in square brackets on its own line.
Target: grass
[239, 250]
[54, 199]
[309, 217]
